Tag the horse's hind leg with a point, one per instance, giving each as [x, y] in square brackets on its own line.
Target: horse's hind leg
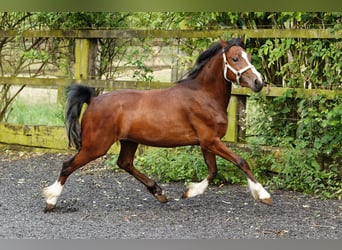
[91, 149]
[199, 188]
[52, 192]
[125, 161]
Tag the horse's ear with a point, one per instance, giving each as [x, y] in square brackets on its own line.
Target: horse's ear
[223, 43]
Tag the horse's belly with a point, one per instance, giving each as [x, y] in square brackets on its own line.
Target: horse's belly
[163, 137]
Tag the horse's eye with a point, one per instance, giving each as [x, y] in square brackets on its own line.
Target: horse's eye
[235, 59]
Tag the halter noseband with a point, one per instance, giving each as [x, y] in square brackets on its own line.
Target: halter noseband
[237, 73]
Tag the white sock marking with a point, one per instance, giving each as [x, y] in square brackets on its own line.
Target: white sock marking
[258, 191]
[197, 188]
[52, 193]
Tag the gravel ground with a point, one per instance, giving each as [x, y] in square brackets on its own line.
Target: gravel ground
[98, 203]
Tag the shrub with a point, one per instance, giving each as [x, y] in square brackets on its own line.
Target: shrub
[309, 134]
[182, 164]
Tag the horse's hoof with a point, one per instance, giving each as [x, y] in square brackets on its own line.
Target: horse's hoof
[49, 207]
[185, 194]
[267, 201]
[161, 198]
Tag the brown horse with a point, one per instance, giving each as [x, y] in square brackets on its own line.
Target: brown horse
[193, 112]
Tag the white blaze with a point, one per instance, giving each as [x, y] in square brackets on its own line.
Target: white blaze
[245, 56]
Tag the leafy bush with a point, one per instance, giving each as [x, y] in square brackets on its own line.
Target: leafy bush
[309, 133]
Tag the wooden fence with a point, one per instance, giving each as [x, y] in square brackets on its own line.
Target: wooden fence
[54, 137]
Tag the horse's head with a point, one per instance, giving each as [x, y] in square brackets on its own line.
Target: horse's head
[238, 68]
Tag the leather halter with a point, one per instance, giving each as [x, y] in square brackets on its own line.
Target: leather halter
[237, 73]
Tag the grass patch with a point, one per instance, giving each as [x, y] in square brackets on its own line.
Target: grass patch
[36, 114]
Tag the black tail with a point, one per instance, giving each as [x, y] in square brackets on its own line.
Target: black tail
[77, 96]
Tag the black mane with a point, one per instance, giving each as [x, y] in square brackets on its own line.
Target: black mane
[205, 56]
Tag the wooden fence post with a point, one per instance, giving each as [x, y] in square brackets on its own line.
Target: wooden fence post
[84, 68]
[85, 58]
[232, 131]
[82, 48]
[236, 119]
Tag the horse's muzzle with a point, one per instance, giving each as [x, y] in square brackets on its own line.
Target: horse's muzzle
[256, 85]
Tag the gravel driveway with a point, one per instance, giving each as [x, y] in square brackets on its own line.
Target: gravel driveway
[99, 203]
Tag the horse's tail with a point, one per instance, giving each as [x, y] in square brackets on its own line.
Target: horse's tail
[77, 96]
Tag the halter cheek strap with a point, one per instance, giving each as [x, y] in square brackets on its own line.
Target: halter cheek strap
[237, 73]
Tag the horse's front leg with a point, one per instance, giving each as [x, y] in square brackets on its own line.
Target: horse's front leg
[219, 148]
[125, 161]
[195, 189]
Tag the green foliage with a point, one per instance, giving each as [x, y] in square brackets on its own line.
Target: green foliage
[182, 164]
[172, 165]
[302, 63]
[309, 133]
[299, 170]
[273, 120]
[141, 71]
[290, 62]
[80, 20]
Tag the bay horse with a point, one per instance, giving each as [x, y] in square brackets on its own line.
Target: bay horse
[192, 112]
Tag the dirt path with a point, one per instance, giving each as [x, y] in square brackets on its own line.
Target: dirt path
[99, 203]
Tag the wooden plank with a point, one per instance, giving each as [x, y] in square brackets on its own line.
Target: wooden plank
[173, 34]
[62, 82]
[298, 92]
[35, 82]
[50, 138]
[53, 137]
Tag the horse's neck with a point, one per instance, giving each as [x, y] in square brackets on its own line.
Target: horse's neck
[212, 81]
